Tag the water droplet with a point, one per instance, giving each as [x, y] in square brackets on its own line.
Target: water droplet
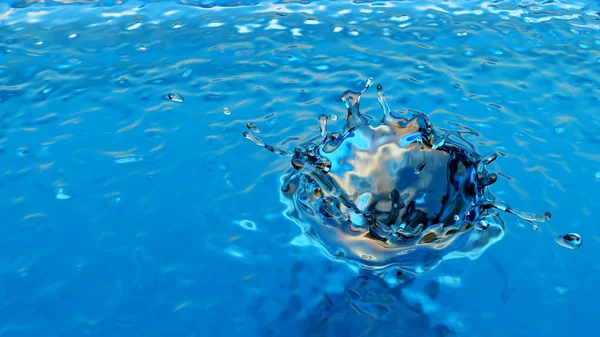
[254, 138]
[569, 240]
[175, 97]
[253, 127]
[461, 34]
[337, 29]
[142, 47]
[60, 195]
[227, 111]
[332, 117]
[370, 82]
[420, 168]
[456, 217]
[72, 36]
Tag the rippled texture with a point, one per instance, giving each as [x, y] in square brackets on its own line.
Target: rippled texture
[154, 239]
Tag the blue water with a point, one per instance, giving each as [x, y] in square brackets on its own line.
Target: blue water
[160, 245]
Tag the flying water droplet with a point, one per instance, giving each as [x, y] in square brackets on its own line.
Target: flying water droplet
[226, 111]
[569, 240]
[253, 127]
[420, 168]
[175, 97]
[254, 138]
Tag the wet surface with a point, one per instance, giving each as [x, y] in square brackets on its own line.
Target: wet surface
[124, 212]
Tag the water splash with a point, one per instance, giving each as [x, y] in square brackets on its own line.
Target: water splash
[393, 195]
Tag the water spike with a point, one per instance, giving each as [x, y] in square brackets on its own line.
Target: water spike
[323, 124]
[383, 102]
[484, 161]
[254, 138]
[352, 101]
[258, 141]
[420, 142]
[527, 216]
[368, 84]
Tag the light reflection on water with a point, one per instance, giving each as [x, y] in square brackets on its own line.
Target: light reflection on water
[83, 89]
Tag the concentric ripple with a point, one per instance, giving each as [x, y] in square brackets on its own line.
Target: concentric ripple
[396, 193]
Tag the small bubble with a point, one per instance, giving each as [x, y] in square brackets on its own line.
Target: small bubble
[72, 36]
[569, 240]
[332, 117]
[461, 34]
[456, 217]
[142, 47]
[227, 111]
[175, 97]
[253, 127]
[420, 168]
